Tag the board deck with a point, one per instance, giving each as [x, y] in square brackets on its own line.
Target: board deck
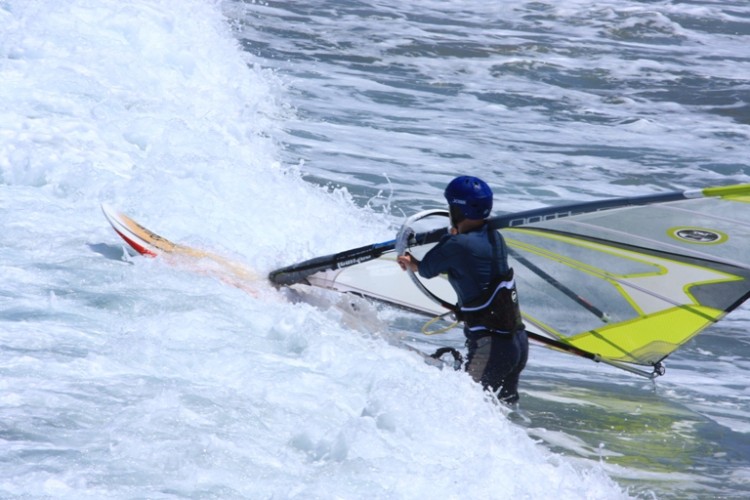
[149, 244]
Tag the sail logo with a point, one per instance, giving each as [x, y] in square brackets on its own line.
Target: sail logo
[698, 235]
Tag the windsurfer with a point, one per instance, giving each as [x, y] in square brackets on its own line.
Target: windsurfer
[475, 258]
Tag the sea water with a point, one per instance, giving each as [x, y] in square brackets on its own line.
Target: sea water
[272, 132]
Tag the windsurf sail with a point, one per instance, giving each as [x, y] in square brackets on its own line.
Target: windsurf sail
[627, 280]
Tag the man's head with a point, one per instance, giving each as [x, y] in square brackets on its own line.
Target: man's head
[468, 198]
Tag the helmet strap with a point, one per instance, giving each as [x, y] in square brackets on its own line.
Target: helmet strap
[456, 215]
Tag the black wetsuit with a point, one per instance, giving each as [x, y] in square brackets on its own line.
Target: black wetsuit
[495, 358]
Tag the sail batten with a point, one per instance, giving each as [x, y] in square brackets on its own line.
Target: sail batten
[647, 245]
[716, 217]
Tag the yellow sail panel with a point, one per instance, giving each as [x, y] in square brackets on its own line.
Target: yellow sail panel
[647, 340]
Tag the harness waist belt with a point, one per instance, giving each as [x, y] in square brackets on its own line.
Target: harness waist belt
[497, 312]
[510, 285]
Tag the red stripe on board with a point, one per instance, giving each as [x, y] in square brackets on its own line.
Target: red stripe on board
[138, 248]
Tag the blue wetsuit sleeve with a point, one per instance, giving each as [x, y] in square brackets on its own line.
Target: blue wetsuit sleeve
[444, 256]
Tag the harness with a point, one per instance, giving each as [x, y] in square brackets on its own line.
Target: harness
[497, 309]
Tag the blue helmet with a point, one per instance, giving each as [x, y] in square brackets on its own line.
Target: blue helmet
[470, 196]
